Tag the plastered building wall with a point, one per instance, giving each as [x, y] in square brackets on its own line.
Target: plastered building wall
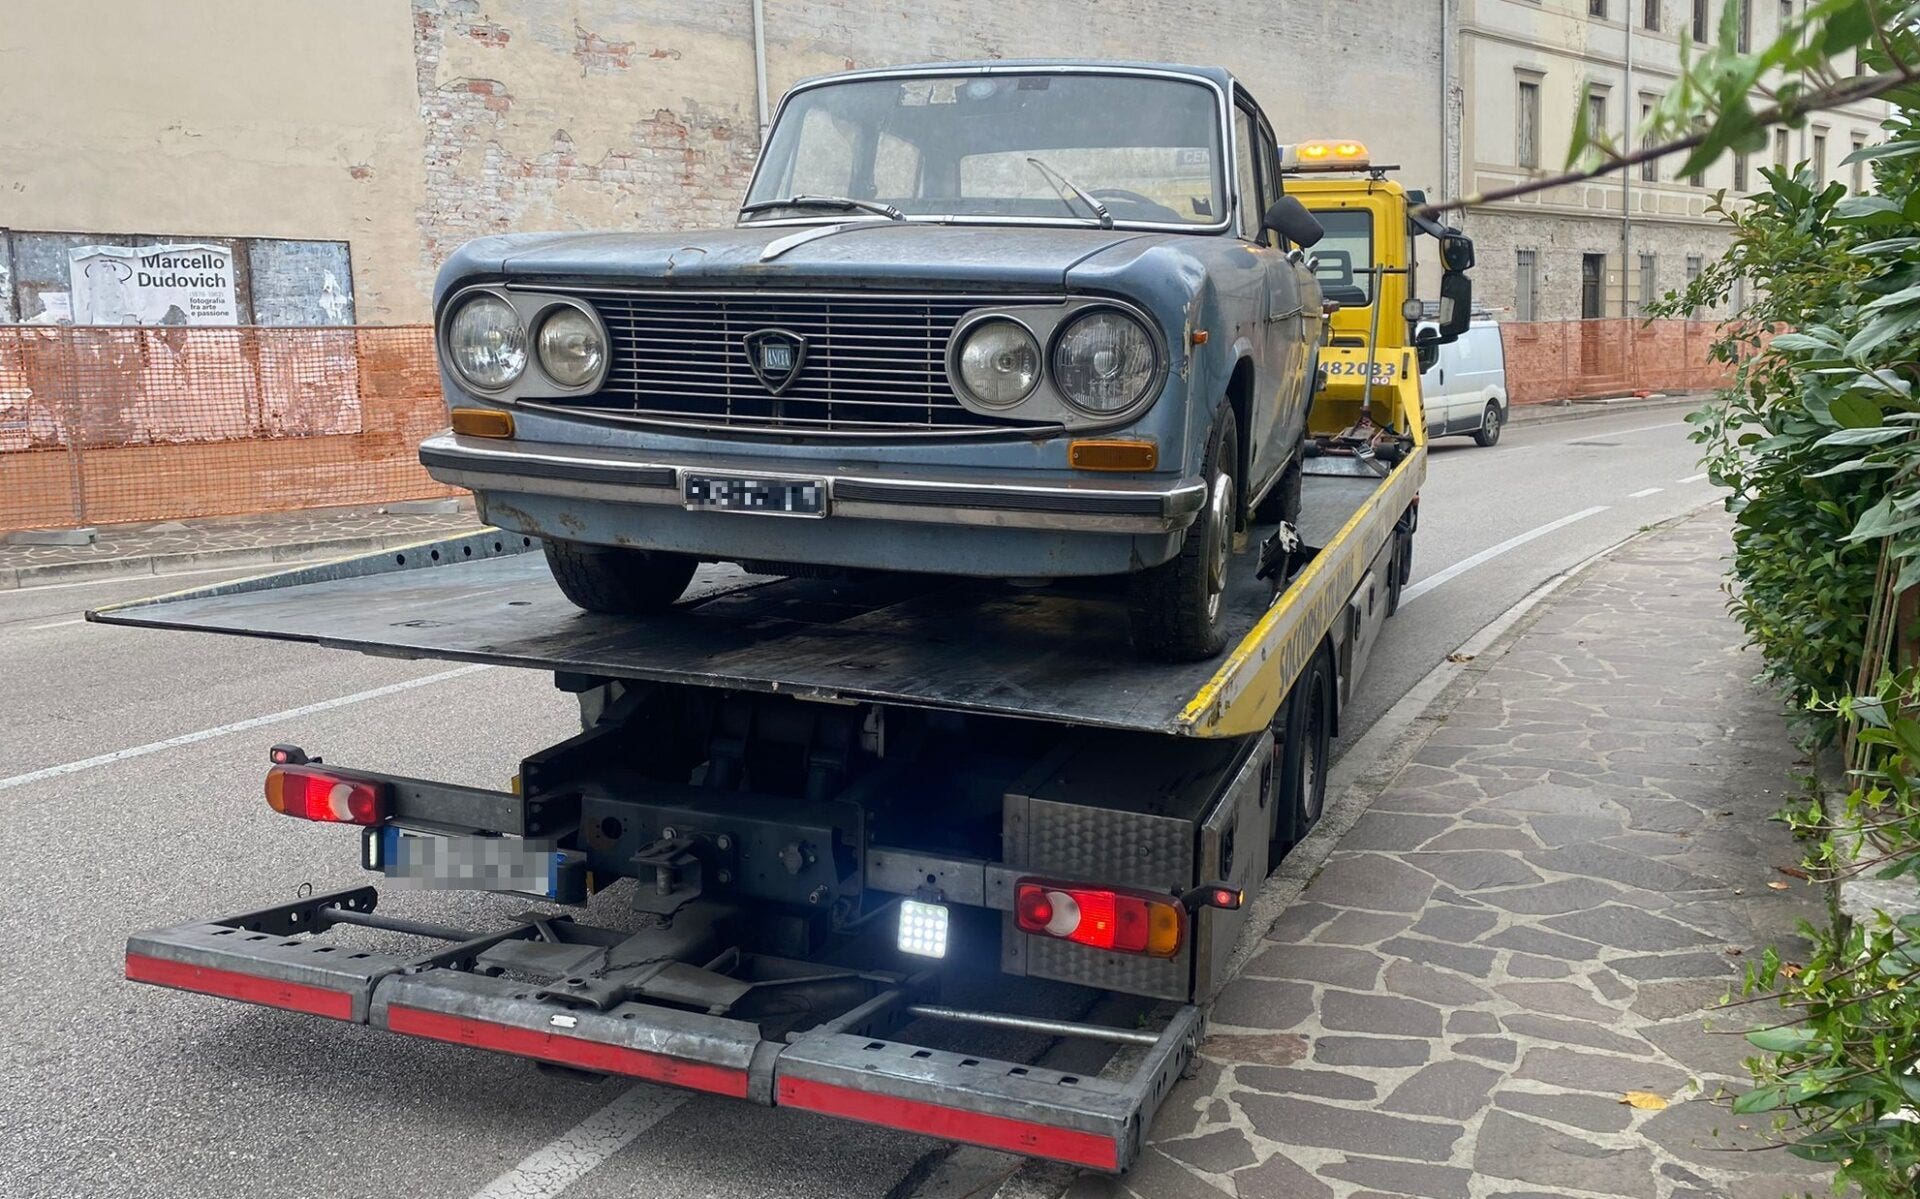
[232, 118]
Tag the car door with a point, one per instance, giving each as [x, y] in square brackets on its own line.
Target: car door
[1274, 333]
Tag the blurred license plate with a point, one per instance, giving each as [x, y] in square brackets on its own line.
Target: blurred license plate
[780, 497]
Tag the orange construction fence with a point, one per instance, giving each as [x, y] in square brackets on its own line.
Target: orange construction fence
[1570, 360]
[118, 425]
[114, 425]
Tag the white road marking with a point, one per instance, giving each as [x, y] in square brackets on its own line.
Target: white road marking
[560, 1163]
[1646, 491]
[1416, 590]
[1693, 478]
[1672, 424]
[238, 726]
[58, 624]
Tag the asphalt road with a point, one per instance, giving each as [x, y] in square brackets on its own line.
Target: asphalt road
[117, 1090]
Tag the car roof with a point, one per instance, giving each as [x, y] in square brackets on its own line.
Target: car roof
[1219, 76]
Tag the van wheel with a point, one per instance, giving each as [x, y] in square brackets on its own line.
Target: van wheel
[1176, 608]
[1303, 738]
[1488, 433]
[616, 580]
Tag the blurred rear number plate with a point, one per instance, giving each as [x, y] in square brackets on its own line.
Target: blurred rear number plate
[778, 497]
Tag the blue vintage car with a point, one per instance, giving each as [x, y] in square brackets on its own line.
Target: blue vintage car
[1025, 320]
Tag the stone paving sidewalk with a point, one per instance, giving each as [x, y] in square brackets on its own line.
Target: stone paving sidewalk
[172, 546]
[1530, 921]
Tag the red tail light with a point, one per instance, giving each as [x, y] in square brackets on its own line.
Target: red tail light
[1104, 917]
[313, 794]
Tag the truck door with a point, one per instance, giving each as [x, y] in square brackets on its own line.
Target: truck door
[1278, 412]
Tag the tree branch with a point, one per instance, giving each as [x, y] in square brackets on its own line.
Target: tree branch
[1864, 87]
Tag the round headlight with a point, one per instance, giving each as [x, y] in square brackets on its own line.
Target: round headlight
[999, 363]
[571, 348]
[487, 342]
[1104, 361]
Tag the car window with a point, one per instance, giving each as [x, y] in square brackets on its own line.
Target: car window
[1248, 224]
[1015, 145]
[1271, 186]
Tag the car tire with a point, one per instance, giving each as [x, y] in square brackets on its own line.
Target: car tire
[617, 580]
[1303, 741]
[1396, 572]
[1488, 434]
[1177, 609]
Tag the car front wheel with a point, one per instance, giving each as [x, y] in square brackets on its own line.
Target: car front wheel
[1177, 607]
[616, 580]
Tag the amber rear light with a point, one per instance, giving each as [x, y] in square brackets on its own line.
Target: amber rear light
[1113, 455]
[482, 422]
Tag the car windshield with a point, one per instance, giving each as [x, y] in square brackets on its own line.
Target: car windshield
[1147, 149]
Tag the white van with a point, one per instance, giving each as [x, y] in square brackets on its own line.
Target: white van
[1465, 390]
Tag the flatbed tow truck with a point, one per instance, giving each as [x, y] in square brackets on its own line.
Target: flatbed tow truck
[829, 795]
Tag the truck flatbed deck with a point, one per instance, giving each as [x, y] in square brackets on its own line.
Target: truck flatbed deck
[1054, 654]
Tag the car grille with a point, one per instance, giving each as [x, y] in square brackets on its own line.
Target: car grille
[874, 363]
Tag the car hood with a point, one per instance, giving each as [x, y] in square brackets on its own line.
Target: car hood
[887, 254]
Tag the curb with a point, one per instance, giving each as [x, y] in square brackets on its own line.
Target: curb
[142, 565]
[1555, 411]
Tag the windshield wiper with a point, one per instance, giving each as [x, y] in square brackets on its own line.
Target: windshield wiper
[885, 210]
[1059, 180]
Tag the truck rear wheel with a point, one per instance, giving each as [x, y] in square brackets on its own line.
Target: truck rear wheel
[1303, 733]
[616, 580]
[1176, 608]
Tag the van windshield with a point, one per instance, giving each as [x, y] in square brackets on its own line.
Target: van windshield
[1021, 146]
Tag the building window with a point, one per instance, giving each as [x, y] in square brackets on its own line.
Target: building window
[1700, 22]
[1740, 172]
[1786, 14]
[1526, 283]
[1819, 159]
[1694, 264]
[1646, 283]
[1596, 115]
[1527, 128]
[1593, 276]
[1780, 149]
[1597, 8]
[1650, 169]
[1859, 165]
[1743, 38]
[1650, 15]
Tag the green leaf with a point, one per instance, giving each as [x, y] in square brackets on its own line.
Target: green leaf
[1873, 436]
[1855, 412]
[1760, 1099]
[1797, 1039]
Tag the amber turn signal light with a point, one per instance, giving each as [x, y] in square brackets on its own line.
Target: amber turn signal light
[482, 422]
[1113, 455]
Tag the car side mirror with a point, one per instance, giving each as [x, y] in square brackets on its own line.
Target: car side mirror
[1290, 219]
[1456, 251]
[1456, 305]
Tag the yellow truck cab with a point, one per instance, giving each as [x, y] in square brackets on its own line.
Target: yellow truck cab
[1368, 397]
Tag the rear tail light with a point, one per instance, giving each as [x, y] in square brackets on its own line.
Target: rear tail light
[1121, 920]
[314, 794]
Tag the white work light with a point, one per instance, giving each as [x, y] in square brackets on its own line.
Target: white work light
[923, 928]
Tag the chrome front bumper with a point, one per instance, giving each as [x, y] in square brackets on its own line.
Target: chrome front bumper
[1092, 505]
